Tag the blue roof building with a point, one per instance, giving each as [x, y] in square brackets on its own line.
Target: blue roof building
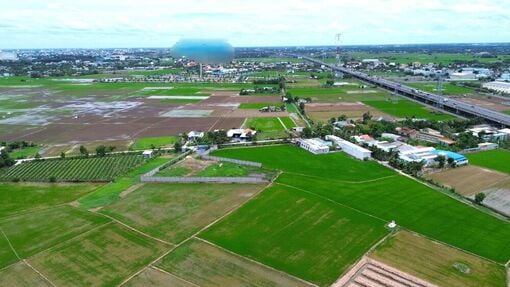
[457, 157]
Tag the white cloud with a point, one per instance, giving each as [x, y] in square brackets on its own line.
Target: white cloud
[114, 23]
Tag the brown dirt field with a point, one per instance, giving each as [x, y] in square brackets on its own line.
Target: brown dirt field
[370, 272]
[468, 180]
[495, 104]
[227, 123]
[435, 262]
[498, 197]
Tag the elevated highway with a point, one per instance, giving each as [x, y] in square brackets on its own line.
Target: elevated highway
[442, 102]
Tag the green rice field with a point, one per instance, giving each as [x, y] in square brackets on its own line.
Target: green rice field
[403, 108]
[498, 159]
[378, 191]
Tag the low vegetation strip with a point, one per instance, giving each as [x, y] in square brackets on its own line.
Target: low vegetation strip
[77, 169]
[203, 179]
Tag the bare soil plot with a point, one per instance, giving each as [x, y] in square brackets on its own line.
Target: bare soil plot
[173, 212]
[19, 275]
[468, 180]
[498, 197]
[207, 265]
[156, 278]
[438, 263]
[227, 123]
[322, 112]
[369, 272]
[102, 257]
[493, 103]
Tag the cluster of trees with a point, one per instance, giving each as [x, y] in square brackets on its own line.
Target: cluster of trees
[5, 159]
[214, 137]
[258, 90]
[267, 81]
[9, 146]
[296, 99]
[101, 150]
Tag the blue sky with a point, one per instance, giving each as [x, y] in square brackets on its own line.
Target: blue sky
[151, 23]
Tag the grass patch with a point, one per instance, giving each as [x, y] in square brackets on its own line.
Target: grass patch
[438, 263]
[175, 211]
[111, 191]
[407, 109]
[498, 159]
[175, 171]
[268, 127]
[229, 169]
[298, 233]
[288, 122]
[103, 257]
[257, 106]
[28, 152]
[207, 265]
[154, 142]
[16, 197]
[34, 232]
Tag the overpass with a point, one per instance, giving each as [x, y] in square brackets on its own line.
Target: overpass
[442, 102]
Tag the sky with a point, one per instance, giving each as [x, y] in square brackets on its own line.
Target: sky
[160, 23]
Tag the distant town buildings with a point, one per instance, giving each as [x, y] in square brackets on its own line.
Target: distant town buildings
[8, 56]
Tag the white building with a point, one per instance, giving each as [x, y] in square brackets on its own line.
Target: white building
[241, 133]
[315, 146]
[502, 87]
[147, 153]
[194, 135]
[350, 148]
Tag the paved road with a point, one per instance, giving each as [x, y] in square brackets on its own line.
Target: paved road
[430, 98]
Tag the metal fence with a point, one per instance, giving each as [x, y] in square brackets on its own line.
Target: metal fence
[198, 179]
[236, 161]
